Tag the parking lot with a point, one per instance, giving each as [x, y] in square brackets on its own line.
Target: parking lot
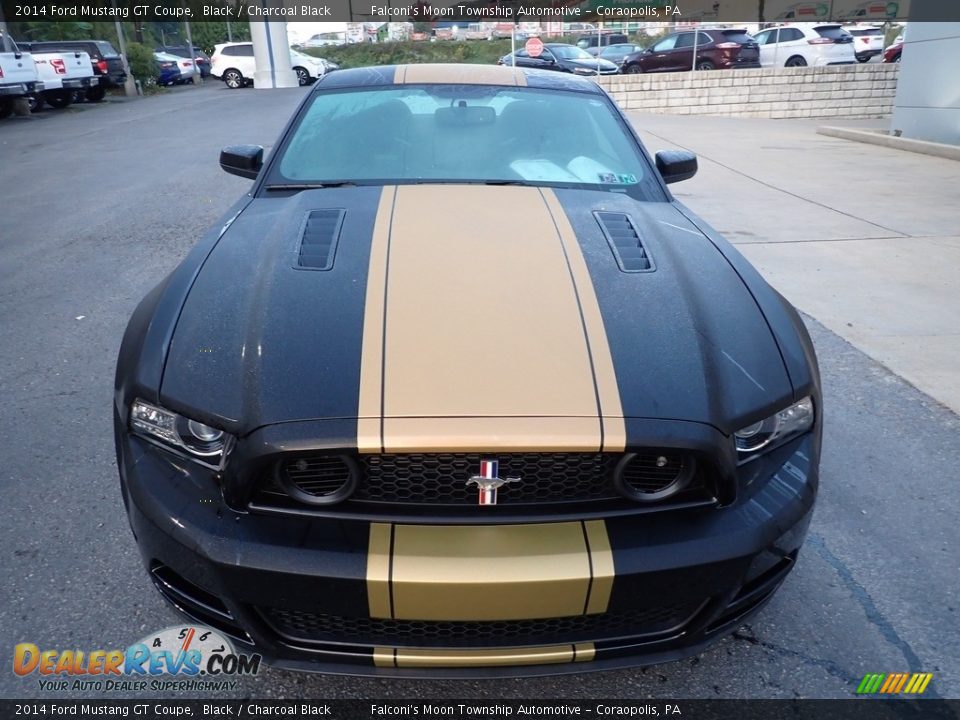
[101, 202]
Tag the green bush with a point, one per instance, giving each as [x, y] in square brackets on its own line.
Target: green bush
[142, 65]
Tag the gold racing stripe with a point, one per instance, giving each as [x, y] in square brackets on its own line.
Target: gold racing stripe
[608, 392]
[369, 438]
[482, 321]
[488, 572]
[463, 74]
[428, 657]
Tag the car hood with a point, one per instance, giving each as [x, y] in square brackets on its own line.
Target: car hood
[468, 311]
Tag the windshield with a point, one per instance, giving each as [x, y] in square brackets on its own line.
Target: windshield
[6, 43]
[570, 52]
[471, 133]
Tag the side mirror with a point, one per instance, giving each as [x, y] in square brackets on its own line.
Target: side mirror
[676, 165]
[242, 160]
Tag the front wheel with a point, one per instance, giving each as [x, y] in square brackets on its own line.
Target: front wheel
[96, 94]
[59, 100]
[633, 69]
[795, 61]
[233, 79]
[706, 65]
[303, 77]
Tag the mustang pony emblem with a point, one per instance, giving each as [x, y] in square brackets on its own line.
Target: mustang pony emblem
[488, 482]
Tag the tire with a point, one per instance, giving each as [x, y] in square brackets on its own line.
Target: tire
[706, 65]
[58, 99]
[896, 59]
[36, 103]
[190, 81]
[6, 109]
[303, 77]
[862, 59]
[795, 61]
[633, 69]
[233, 79]
[96, 94]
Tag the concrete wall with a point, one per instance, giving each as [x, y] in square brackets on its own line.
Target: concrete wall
[927, 103]
[848, 91]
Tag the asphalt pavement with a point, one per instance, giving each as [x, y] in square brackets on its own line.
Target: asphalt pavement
[99, 203]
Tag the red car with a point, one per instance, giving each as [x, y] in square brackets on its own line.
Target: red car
[892, 53]
[715, 49]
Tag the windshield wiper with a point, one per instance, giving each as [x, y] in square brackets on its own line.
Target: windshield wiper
[309, 186]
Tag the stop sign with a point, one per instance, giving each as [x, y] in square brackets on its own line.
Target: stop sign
[534, 47]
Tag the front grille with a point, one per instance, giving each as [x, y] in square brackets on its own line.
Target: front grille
[308, 627]
[557, 483]
[441, 478]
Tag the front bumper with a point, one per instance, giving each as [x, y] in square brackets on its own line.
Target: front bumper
[303, 591]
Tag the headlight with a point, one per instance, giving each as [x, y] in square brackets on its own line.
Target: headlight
[776, 429]
[584, 71]
[200, 441]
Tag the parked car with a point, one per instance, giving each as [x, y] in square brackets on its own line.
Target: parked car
[234, 64]
[893, 52]
[189, 71]
[716, 48]
[867, 42]
[801, 44]
[18, 75]
[199, 57]
[577, 29]
[603, 39]
[562, 58]
[308, 68]
[614, 53]
[64, 75]
[168, 68]
[106, 61]
[621, 470]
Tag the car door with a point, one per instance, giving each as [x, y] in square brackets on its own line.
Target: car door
[681, 57]
[246, 63]
[767, 40]
[792, 43]
[658, 57]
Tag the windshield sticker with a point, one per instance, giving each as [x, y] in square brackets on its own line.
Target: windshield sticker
[614, 179]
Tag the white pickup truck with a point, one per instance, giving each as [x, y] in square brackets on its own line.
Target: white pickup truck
[18, 75]
[63, 74]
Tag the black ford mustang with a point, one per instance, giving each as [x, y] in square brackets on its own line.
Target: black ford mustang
[459, 388]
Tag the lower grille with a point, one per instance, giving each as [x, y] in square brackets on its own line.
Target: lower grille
[196, 602]
[307, 627]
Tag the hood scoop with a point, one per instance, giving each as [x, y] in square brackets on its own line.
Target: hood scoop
[318, 241]
[624, 240]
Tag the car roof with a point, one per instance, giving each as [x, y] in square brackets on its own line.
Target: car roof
[456, 74]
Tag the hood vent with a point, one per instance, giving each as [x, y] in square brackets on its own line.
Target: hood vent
[624, 240]
[319, 240]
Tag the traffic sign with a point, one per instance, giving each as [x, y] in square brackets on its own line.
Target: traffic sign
[534, 47]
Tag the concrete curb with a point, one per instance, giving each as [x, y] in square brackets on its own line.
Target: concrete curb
[880, 137]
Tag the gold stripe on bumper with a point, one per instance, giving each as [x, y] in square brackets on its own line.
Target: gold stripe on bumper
[488, 572]
[544, 655]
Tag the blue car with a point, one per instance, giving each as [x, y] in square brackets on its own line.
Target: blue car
[168, 68]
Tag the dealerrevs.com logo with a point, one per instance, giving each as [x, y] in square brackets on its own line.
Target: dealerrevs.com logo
[172, 659]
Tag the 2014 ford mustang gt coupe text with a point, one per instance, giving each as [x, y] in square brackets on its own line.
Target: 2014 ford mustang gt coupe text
[459, 388]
